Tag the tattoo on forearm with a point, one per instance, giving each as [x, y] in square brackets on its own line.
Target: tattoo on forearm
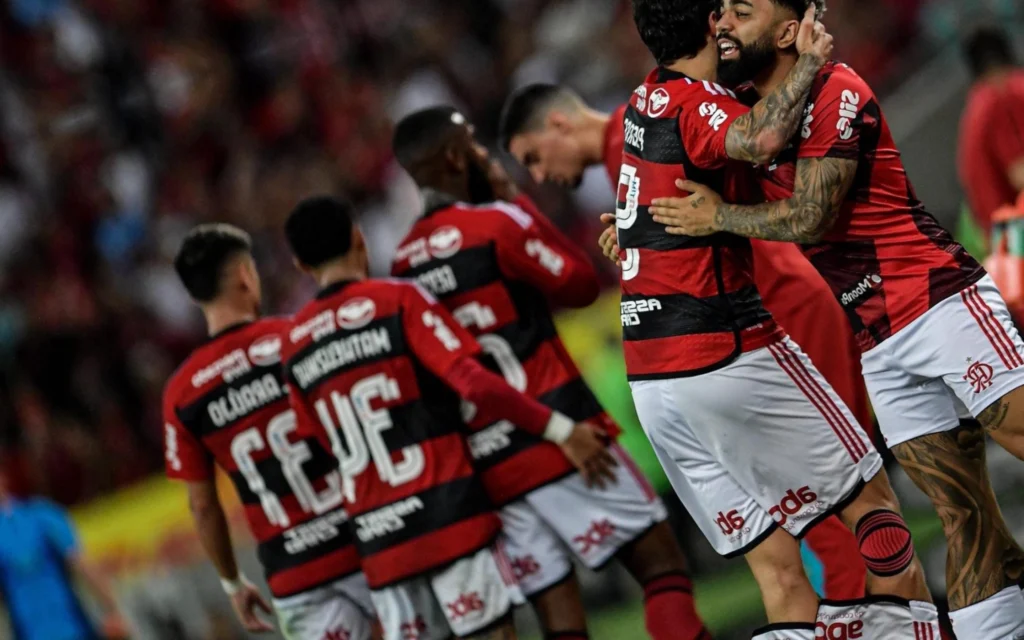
[982, 558]
[992, 418]
[759, 135]
[821, 186]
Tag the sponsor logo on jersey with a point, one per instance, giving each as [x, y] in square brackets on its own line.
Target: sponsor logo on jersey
[630, 310]
[794, 502]
[980, 375]
[445, 242]
[338, 353]
[439, 281]
[266, 351]
[491, 440]
[839, 630]
[240, 402]
[389, 519]
[356, 314]
[870, 283]
[716, 117]
[658, 102]
[641, 98]
[634, 134]
[594, 536]
[546, 256]
[805, 131]
[318, 326]
[847, 113]
[315, 532]
[228, 368]
[464, 605]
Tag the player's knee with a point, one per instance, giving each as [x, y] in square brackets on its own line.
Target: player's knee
[885, 542]
[780, 575]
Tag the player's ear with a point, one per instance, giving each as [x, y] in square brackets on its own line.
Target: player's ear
[560, 122]
[301, 267]
[454, 157]
[788, 31]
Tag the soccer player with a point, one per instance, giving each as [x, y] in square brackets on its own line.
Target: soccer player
[227, 405]
[933, 328]
[382, 367]
[498, 265]
[722, 394]
[39, 560]
[554, 134]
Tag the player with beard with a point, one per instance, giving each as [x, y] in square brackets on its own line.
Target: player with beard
[499, 266]
[932, 326]
[556, 136]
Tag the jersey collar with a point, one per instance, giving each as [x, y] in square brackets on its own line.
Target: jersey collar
[333, 288]
[229, 329]
[664, 74]
[434, 201]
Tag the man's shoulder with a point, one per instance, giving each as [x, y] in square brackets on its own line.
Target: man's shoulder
[836, 77]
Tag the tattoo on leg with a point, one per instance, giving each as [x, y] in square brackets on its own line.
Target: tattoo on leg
[983, 557]
[993, 417]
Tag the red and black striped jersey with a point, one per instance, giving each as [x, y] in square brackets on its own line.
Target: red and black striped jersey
[496, 267]
[366, 361]
[886, 259]
[689, 305]
[227, 404]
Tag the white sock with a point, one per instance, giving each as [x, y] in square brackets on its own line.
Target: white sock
[785, 631]
[877, 617]
[1000, 617]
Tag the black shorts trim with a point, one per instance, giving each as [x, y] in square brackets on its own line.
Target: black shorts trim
[571, 573]
[625, 544]
[882, 599]
[441, 567]
[835, 509]
[503, 620]
[783, 626]
[747, 548]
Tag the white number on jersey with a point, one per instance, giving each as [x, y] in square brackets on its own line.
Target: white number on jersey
[441, 331]
[482, 317]
[625, 217]
[291, 456]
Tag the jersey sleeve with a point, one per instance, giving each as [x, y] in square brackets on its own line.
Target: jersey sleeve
[1006, 132]
[185, 458]
[836, 119]
[704, 123]
[532, 250]
[437, 340]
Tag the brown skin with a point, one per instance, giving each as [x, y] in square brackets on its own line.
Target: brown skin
[571, 140]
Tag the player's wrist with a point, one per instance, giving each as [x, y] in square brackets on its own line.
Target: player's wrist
[232, 586]
[559, 428]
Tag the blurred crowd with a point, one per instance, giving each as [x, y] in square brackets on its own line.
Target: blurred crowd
[125, 122]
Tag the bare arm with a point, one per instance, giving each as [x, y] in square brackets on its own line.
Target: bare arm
[1016, 175]
[760, 135]
[821, 187]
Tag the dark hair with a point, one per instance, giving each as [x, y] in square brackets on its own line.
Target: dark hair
[526, 108]
[799, 7]
[673, 29]
[319, 230]
[986, 47]
[420, 136]
[204, 253]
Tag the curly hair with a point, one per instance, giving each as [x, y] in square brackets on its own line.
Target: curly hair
[800, 6]
[673, 29]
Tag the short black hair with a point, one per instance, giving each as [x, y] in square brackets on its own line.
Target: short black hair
[799, 7]
[319, 230]
[204, 253]
[986, 47]
[526, 109]
[420, 136]
[673, 29]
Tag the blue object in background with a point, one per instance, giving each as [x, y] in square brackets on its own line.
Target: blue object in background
[815, 569]
[36, 538]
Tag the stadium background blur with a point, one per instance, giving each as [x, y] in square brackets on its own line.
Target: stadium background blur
[125, 122]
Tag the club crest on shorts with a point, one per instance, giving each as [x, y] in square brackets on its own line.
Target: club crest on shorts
[980, 375]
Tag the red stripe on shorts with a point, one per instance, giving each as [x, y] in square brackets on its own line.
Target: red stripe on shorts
[508, 576]
[970, 298]
[633, 470]
[795, 369]
[997, 328]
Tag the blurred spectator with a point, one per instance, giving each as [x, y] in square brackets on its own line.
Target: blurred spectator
[991, 154]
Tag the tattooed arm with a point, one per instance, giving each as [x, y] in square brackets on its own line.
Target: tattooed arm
[762, 133]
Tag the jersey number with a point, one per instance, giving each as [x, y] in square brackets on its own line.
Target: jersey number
[625, 218]
[482, 317]
[291, 456]
[359, 435]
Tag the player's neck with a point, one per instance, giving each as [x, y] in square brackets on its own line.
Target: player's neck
[224, 314]
[772, 77]
[592, 130]
[703, 66]
[343, 270]
[996, 75]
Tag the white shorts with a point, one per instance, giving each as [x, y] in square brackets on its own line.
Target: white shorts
[964, 350]
[465, 597]
[342, 608]
[595, 523]
[760, 443]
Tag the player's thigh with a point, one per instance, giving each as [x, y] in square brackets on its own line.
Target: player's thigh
[325, 613]
[730, 519]
[781, 431]
[477, 592]
[537, 554]
[409, 609]
[597, 522]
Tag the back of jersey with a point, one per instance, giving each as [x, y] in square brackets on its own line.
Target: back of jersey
[494, 267]
[365, 361]
[228, 404]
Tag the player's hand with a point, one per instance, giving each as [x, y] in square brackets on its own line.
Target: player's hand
[609, 240]
[813, 38]
[504, 186]
[246, 603]
[691, 216]
[587, 450]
